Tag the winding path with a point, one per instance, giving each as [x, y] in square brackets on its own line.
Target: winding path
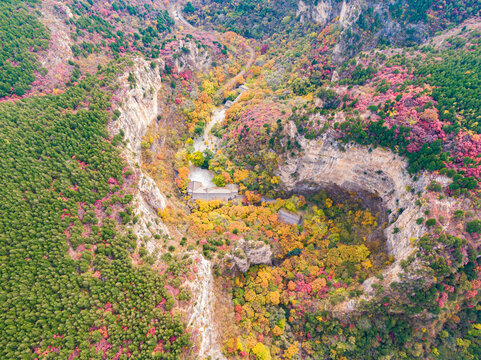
[176, 13]
[250, 62]
[202, 313]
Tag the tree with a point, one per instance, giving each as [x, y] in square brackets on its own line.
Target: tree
[473, 227]
[189, 8]
[219, 180]
[197, 159]
[261, 352]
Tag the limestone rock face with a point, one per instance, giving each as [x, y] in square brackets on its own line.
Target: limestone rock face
[326, 10]
[335, 76]
[63, 10]
[320, 13]
[55, 17]
[139, 109]
[249, 253]
[323, 164]
[195, 59]
[151, 193]
[344, 16]
[350, 11]
[149, 223]
[140, 104]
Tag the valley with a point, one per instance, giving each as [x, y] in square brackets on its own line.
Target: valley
[240, 179]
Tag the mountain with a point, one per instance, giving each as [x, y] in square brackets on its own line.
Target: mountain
[240, 179]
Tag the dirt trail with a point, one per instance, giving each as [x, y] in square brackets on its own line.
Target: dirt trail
[176, 13]
[229, 84]
[202, 317]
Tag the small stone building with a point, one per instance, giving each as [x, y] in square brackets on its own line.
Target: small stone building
[289, 217]
[199, 192]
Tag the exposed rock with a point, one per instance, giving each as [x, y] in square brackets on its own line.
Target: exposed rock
[138, 111]
[194, 59]
[141, 105]
[350, 11]
[345, 15]
[202, 314]
[379, 172]
[63, 10]
[320, 13]
[335, 76]
[149, 223]
[326, 10]
[151, 193]
[249, 253]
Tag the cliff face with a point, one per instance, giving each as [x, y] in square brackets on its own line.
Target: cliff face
[249, 253]
[327, 10]
[195, 59]
[55, 17]
[139, 109]
[362, 23]
[140, 104]
[378, 172]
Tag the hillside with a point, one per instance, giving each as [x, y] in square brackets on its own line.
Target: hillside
[240, 179]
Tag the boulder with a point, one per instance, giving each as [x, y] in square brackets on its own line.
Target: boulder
[151, 193]
[249, 253]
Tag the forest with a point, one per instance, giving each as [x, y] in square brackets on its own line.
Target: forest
[23, 36]
[106, 255]
[68, 282]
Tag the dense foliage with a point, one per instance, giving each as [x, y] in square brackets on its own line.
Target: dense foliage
[77, 282]
[250, 18]
[421, 103]
[21, 36]
[109, 27]
[68, 283]
[456, 81]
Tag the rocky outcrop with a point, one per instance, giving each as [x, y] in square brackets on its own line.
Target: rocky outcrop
[352, 17]
[149, 201]
[140, 104]
[381, 173]
[55, 17]
[349, 14]
[192, 57]
[324, 11]
[151, 193]
[321, 13]
[248, 253]
[149, 223]
[139, 109]
[202, 314]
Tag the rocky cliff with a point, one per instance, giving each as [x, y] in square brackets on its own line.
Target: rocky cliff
[362, 23]
[323, 163]
[139, 109]
[140, 104]
[325, 11]
[192, 57]
[55, 16]
[247, 253]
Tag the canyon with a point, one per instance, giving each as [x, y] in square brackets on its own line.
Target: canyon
[371, 174]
